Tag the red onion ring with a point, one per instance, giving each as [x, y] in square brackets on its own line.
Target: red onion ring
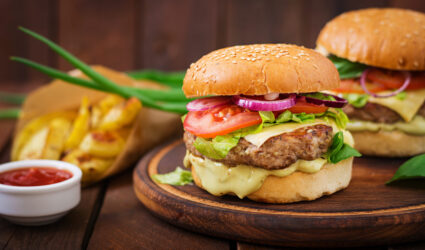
[406, 83]
[338, 103]
[261, 105]
[208, 103]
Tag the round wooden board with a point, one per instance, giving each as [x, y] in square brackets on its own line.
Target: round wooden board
[366, 213]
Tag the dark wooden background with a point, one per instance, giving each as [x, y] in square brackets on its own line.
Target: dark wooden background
[163, 34]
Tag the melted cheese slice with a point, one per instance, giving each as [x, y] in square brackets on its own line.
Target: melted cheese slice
[259, 138]
[416, 126]
[241, 180]
[406, 108]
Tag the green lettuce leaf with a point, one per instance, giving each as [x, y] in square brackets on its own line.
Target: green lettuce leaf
[346, 68]
[412, 168]
[339, 150]
[401, 96]
[218, 147]
[320, 96]
[357, 100]
[178, 177]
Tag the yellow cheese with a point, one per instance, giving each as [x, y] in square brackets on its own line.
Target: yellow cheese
[241, 180]
[259, 138]
[406, 108]
[416, 126]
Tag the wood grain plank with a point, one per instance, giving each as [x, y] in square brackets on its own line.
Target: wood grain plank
[177, 33]
[67, 233]
[124, 223]
[247, 246]
[6, 230]
[273, 21]
[98, 32]
[36, 15]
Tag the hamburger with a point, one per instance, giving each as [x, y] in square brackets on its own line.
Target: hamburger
[380, 56]
[261, 129]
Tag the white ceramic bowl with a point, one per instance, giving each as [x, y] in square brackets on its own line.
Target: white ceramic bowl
[39, 205]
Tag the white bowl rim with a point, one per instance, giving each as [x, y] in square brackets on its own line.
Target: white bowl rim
[76, 176]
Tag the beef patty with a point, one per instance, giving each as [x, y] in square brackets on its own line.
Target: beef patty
[278, 152]
[376, 113]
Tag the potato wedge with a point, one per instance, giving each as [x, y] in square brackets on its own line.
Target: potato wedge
[92, 167]
[121, 115]
[102, 143]
[28, 132]
[109, 102]
[58, 131]
[33, 148]
[80, 127]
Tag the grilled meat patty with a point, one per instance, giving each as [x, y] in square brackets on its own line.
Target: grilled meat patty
[308, 143]
[376, 113]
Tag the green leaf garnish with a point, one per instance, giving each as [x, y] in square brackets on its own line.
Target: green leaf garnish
[171, 79]
[12, 113]
[12, 98]
[178, 177]
[411, 169]
[356, 100]
[346, 68]
[339, 150]
[401, 96]
[172, 100]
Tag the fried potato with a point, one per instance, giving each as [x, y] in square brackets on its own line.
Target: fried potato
[92, 167]
[102, 143]
[121, 115]
[80, 127]
[33, 147]
[109, 102]
[58, 130]
[96, 117]
[27, 134]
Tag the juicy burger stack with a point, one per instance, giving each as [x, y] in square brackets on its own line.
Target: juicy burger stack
[380, 55]
[260, 127]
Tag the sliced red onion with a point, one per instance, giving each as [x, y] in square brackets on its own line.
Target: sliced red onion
[338, 103]
[406, 83]
[208, 103]
[261, 105]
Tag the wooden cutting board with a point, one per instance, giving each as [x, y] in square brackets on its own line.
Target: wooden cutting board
[366, 213]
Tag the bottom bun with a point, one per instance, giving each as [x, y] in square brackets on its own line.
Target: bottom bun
[301, 186]
[389, 143]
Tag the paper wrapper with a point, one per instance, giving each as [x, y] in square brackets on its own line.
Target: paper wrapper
[150, 128]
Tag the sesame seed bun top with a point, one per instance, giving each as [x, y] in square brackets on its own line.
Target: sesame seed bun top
[387, 38]
[260, 69]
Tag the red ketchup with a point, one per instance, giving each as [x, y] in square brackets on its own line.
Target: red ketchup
[34, 176]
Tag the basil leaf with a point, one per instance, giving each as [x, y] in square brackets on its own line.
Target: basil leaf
[345, 152]
[178, 177]
[339, 150]
[357, 100]
[346, 68]
[412, 168]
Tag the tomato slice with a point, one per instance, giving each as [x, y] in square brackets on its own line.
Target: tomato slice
[220, 121]
[395, 79]
[309, 108]
[353, 86]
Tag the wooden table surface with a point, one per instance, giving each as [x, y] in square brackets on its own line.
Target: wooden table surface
[109, 216]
